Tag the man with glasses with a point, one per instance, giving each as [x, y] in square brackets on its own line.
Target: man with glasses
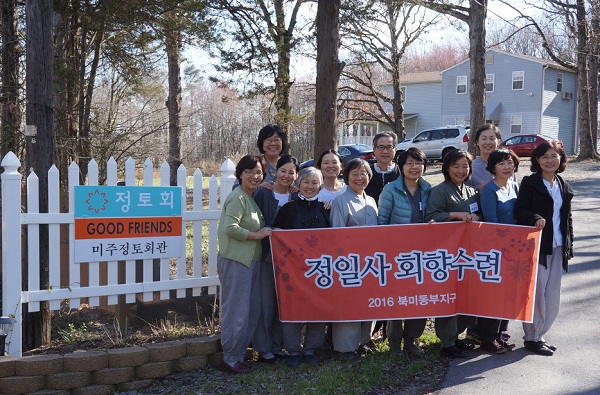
[385, 169]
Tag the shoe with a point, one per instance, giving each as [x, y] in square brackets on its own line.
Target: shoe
[494, 347]
[411, 349]
[294, 360]
[464, 346]
[505, 344]
[311, 359]
[453, 352]
[550, 346]
[247, 363]
[271, 361]
[504, 336]
[538, 347]
[351, 356]
[237, 368]
[473, 337]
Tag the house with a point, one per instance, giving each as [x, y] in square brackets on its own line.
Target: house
[524, 94]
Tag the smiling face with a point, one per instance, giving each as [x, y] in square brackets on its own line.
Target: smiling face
[549, 162]
[504, 170]
[412, 169]
[286, 175]
[309, 186]
[251, 179]
[384, 151]
[272, 146]
[459, 171]
[358, 179]
[331, 167]
[487, 142]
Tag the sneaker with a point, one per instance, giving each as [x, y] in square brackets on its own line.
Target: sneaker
[494, 347]
[504, 336]
[294, 360]
[463, 345]
[538, 347]
[236, 368]
[311, 359]
[453, 352]
[505, 344]
[473, 337]
[550, 346]
[411, 349]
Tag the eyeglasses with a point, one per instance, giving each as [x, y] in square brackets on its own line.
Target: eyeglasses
[358, 175]
[273, 140]
[252, 174]
[384, 147]
[413, 164]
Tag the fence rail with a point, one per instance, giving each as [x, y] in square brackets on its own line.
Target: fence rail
[102, 279]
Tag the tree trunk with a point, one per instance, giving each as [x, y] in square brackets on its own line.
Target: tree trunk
[9, 99]
[40, 148]
[477, 16]
[283, 84]
[593, 75]
[586, 148]
[329, 69]
[173, 48]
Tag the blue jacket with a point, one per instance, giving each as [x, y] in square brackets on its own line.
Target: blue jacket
[394, 203]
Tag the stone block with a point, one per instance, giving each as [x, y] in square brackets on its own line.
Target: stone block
[166, 351]
[215, 359]
[68, 380]
[154, 370]
[7, 366]
[127, 357]
[135, 385]
[113, 375]
[39, 365]
[203, 345]
[94, 390]
[21, 384]
[189, 364]
[86, 361]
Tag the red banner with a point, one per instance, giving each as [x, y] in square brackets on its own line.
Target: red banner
[406, 271]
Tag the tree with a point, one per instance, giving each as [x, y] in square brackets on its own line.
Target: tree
[474, 16]
[11, 85]
[573, 15]
[262, 40]
[329, 69]
[377, 51]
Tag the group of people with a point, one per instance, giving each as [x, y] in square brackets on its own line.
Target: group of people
[273, 193]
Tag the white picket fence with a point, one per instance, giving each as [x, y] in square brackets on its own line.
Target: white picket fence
[16, 223]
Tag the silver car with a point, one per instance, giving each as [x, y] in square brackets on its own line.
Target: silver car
[437, 142]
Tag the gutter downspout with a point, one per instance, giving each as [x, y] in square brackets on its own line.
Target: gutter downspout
[542, 98]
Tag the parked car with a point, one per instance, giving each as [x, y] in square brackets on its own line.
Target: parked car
[437, 142]
[347, 152]
[524, 144]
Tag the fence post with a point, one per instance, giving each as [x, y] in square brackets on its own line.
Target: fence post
[227, 179]
[11, 250]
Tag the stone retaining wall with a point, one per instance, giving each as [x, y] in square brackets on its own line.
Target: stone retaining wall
[105, 372]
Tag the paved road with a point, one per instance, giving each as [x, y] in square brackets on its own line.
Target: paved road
[575, 367]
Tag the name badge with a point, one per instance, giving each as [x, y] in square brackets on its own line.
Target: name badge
[420, 206]
[473, 207]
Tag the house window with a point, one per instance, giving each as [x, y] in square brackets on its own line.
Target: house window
[461, 84]
[517, 80]
[403, 90]
[559, 82]
[489, 58]
[460, 121]
[489, 82]
[516, 122]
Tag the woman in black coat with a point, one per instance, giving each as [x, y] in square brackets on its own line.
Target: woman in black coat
[544, 201]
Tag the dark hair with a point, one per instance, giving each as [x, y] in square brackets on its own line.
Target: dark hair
[540, 150]
[414, 153]
[454, 156]
[329, 151]
[285, 159]
[501, 155]
[268, 131]
[487, 126]
[385, 134]
[249, 162]
[357, 163]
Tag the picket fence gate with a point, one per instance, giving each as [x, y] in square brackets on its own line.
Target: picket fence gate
[16, 222]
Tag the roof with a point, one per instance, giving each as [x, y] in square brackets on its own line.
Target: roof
[426, 76]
